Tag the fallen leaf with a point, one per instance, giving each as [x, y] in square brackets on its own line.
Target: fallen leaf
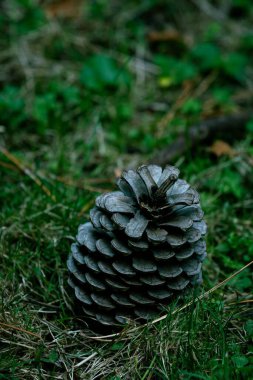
[117, 172]
[221, 148]
[165, 35]
[63, 9]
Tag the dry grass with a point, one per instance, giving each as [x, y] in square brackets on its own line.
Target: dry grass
[63, 139]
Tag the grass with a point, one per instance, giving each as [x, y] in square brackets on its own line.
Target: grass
[85, 93]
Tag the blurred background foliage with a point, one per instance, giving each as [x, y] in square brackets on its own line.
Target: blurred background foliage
[69, 64]
[88, 88]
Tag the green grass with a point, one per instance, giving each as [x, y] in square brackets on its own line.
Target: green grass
[82, 98]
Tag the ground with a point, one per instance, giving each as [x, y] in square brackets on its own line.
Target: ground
[88, 88]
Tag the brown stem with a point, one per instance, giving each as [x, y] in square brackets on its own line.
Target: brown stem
[161, 191]
[232, 126]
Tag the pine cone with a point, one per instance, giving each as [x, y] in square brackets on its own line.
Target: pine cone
[144, 246]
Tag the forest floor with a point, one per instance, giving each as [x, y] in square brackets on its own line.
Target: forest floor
[86, 90]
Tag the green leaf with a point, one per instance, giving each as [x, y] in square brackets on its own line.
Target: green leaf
[213, 31]
[117, 346]
[207, 55]
[31, 17]
[210, 57]
[244, 283]
[52, 357]
[100, 71]
[249, 126]
[243, 4]
[234, 65]
[12, 106]
[174, 70]
[231, 183]
[88, 78]
[222, 95]
[192, 106]
[249, 327]
[240, 361]
[106, 68]
[42, 106]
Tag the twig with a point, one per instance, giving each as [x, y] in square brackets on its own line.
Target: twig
[85, 360]
[8, 166]
[210, 10]
[66, 181]
[19, 329]
[171, 113]
[81, 185]
[241, 302]
[27, 172]
[86, 207]
[187, 91]
[71, 181]
[230, 126]
[207, 293]
[17, 344]
[205, 84]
